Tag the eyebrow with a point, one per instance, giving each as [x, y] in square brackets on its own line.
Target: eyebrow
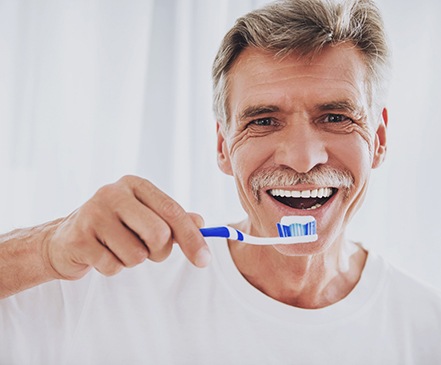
[256, 110]
[340, 105]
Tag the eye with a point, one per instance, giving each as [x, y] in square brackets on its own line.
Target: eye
[262, 122]
[336, 118]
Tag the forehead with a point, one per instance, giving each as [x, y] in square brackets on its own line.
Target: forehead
[294, 83]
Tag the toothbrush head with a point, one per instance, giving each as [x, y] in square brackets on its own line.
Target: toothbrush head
[294, 226]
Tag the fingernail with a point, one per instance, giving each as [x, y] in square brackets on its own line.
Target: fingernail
[203, 257]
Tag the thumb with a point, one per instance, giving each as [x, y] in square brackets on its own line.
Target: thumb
[195, 247]
[197, 219]
[203, 255]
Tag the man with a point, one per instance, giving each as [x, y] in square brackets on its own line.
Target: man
[299, 91]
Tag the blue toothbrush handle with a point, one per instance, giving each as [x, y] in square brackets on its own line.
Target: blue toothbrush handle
[215, 232]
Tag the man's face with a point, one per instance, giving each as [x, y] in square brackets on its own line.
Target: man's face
[301, 126]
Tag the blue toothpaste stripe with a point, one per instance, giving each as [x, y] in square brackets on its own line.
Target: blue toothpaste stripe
[297, 229]
[280, 230]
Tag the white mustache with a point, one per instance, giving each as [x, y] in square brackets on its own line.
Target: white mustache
[320, 175]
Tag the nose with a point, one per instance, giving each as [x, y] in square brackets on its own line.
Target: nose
[301, 147]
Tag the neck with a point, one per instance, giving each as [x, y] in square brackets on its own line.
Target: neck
[310, 281]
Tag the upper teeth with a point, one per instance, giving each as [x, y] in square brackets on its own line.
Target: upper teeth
[316, 193]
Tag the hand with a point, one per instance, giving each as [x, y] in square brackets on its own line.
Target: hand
[120, 226]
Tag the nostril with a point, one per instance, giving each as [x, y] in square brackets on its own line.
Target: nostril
[302, 149]
[301, 161]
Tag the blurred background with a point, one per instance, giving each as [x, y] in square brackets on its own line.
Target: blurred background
[91, 90]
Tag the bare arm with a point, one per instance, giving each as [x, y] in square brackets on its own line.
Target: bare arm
[22, 262]
[120, 226]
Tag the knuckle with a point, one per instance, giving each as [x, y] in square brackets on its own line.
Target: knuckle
[162, 234]
[108, 198]
[134, 182]
[162, 254]
[171, 210]
[89, 217]
[106, 191]
[127, 179]
[137, 256]
[111, 271]
[109, 267]
[156, 234]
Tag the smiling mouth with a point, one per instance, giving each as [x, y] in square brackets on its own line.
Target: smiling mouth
[303, 199]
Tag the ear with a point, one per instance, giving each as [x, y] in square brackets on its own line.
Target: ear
[223, 155]
[380, 146]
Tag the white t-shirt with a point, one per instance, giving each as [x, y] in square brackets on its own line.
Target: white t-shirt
[174, 313]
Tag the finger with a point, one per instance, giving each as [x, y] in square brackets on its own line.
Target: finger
[123, 243]
[108, 264]
[149, 228]
[184, 231]
[94, 254]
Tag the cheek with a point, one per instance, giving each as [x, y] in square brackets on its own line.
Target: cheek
[358, 163]
[368, 137]
[354, 153]
[248, 155]
[246, 158]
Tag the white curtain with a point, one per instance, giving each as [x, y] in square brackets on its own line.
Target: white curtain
[91, 90]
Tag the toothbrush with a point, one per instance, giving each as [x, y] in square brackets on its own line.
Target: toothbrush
[292, 230]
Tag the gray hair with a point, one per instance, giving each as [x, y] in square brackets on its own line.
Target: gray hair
[306, 27]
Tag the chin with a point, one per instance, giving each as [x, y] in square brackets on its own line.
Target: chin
[303, 249]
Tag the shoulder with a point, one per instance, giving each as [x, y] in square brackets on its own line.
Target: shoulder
[407, 292]
[411, 284]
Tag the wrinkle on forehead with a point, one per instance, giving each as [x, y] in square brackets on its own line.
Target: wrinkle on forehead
[262, 84]
[258, 66]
